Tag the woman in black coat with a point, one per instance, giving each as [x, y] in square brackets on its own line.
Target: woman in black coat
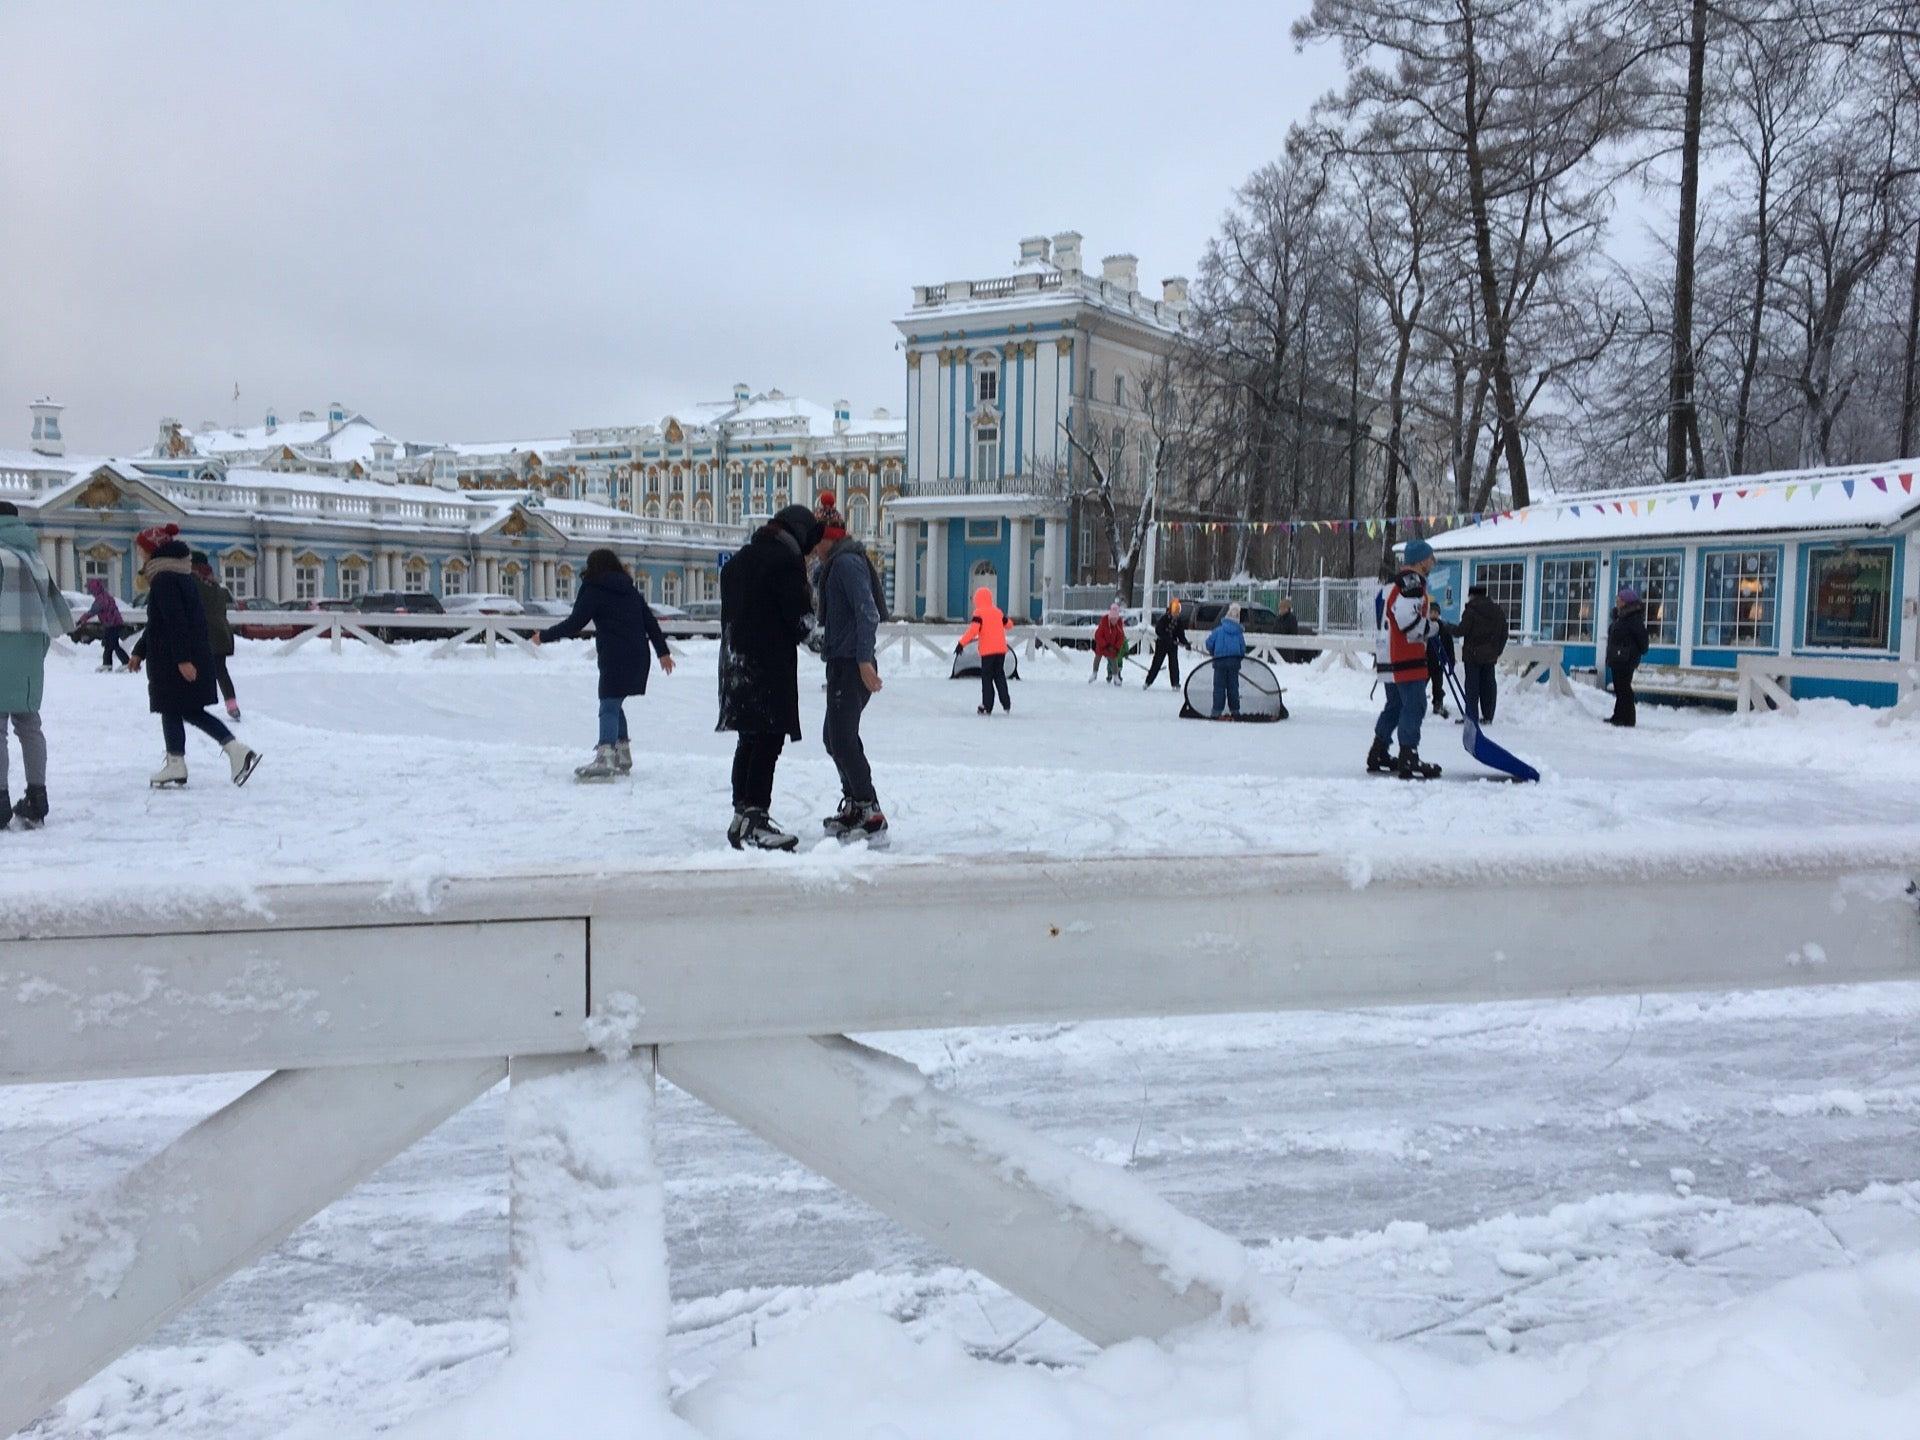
[766, 609]
[626, 637]
[1627, 643]
[178, 653]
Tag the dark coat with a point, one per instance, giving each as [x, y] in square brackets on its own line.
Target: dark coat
[1627, 638]
[1170, 630]
[766, 610]
[176, 633]
[1288, 623]
[626, 635]
[1482, 630]
[214, 599]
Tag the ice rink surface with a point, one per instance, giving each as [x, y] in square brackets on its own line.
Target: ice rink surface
[1468, 1181]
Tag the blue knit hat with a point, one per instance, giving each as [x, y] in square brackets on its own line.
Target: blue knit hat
[1418, 550]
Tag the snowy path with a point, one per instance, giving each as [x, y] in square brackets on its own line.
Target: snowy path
[1519, 1171]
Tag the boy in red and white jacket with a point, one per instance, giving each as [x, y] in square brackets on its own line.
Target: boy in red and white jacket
[1407, 622]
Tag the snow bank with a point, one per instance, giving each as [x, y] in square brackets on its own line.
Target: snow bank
[1828, 1355]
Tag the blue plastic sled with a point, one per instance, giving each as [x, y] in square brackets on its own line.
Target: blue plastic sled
[1482, 747]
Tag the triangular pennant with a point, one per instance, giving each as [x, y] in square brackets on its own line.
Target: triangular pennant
[1906, 483]
[1790, 490]
[1617, 509]
[1575, 509]
[1650, 505]
[1716, 498]
[1813, 491]
[1847, 485]
[1634, 506]
[1880, 483]
[1695, 501]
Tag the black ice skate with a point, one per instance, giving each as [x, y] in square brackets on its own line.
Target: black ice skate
[842, 820]
[762, 833]
[1411, 767]
[31, 812]
[1379, 758]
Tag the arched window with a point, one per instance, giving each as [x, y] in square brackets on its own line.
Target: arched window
[780, 498]
[857, 514]
[510, 579]
[676, 510]
[415, 579]
[703, 509]
[653, 509]
[453, 578]
[735, 507]
[984, 574]
[563, 583]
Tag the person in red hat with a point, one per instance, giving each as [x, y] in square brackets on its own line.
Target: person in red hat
[180, 678]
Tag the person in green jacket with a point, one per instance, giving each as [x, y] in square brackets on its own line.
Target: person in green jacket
[32, 612]
[215, 599]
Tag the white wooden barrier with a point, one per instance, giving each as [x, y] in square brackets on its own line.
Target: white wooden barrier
[1763, 680]
[377, 1019]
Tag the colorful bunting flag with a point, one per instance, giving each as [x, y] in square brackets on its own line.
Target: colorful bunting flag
[1880, 483]
[1847, 485]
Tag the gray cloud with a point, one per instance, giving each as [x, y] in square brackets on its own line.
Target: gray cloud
[478, 221]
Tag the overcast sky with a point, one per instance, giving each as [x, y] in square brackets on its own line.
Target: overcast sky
[489, 220]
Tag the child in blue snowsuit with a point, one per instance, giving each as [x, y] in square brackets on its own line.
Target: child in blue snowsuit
[1227, 644]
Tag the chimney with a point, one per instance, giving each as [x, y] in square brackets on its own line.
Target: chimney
[1033, 250]
[336, 413]
[308, 415]
[842, 414]
[46, 427]
[1173, 291]
[1121, 270]
[273, 420]
[741, 394]
[1066, 250]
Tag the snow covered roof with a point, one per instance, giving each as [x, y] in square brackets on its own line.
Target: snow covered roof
[298, 433]
[491, 449]
[1859, 497]
[355, 440]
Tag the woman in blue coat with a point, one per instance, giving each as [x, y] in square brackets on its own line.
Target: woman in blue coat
[1227, 644]
[626, 636]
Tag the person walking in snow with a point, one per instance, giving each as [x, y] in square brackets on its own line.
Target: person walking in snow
[626, 637]
[850, 610]
[1482, 632]
[1407, 622]
[106, 611]
[1169, 639]
[178, 653]
[1227, 644]
[217, 600]
[766, 612]
[1110, 643]
[1440, 657]
[32, 613]
[989, 629]
[1627, 645]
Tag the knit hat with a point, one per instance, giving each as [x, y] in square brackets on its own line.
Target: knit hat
[834, 530]
[800, 522]
[1418, 550]
[826, 503]
[152, 539]
[1629, 595]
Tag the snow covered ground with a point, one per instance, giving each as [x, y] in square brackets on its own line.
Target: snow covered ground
[1521, 1218]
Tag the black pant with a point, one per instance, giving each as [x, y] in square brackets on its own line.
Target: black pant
[1170, 654]
[222, 678]
[173, 729]
[993, 676]
[1625, 710]
[110, 646]
[847, 697]
[754, 758]
[1478, 688]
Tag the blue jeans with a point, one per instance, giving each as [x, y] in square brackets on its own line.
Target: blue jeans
[613, 720]
[1226, 684]
[1406, 707]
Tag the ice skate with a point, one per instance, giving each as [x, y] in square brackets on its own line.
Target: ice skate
[1379, 758]
[623, 756]
[242, 758]
[763, 833]
[869, 825]
[737, 827]
[1411, 767]
[981, 710]
[31, 812]
[6, 809]
[842, 819]
[603, 766]
[172, 774]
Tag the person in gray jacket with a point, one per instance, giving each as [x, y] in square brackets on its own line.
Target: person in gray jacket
[850, 609]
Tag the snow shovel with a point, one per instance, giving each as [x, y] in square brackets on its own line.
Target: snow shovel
[1482, 746]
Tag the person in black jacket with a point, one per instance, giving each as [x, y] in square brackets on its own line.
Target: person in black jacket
[1169, 639]
[626, 637]
[1440, 656]
[177, 650]
[766, 612]
[1288, 623]
[1482, 632]
[1626, 645]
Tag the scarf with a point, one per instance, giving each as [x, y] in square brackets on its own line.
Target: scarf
[166, 565]
[30, 603]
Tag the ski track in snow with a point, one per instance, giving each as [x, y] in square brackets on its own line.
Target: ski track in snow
[1461, 1177]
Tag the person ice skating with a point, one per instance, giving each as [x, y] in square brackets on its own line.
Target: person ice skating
[178, 653]
[106, 610]
[1482, 632]
[766, 612]
[1626, 646]
[1440, 657]
[1110, 643]
[217, 599]
[1407, 622]
[626, 637]
[1169, 639]
[1288, 623]
[989, 628]
[850, 621]
[1227, 644]
[32, 613]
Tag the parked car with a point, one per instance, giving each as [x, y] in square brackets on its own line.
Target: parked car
[701, 609]
[399, 602]
[263, 632]
[1084, 620]
[1254, 619]
[667, 612]
[481, 604]
[547, 609]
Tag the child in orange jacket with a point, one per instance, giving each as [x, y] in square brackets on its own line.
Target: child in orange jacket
[989, 628]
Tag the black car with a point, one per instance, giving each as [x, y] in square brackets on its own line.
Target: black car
[399, 602]
[1254, 619]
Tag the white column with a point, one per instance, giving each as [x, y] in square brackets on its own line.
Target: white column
[286, 574]
[906, 583]
[937, 569]
[64, 562]
[1053, 562]
[1019, 567]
